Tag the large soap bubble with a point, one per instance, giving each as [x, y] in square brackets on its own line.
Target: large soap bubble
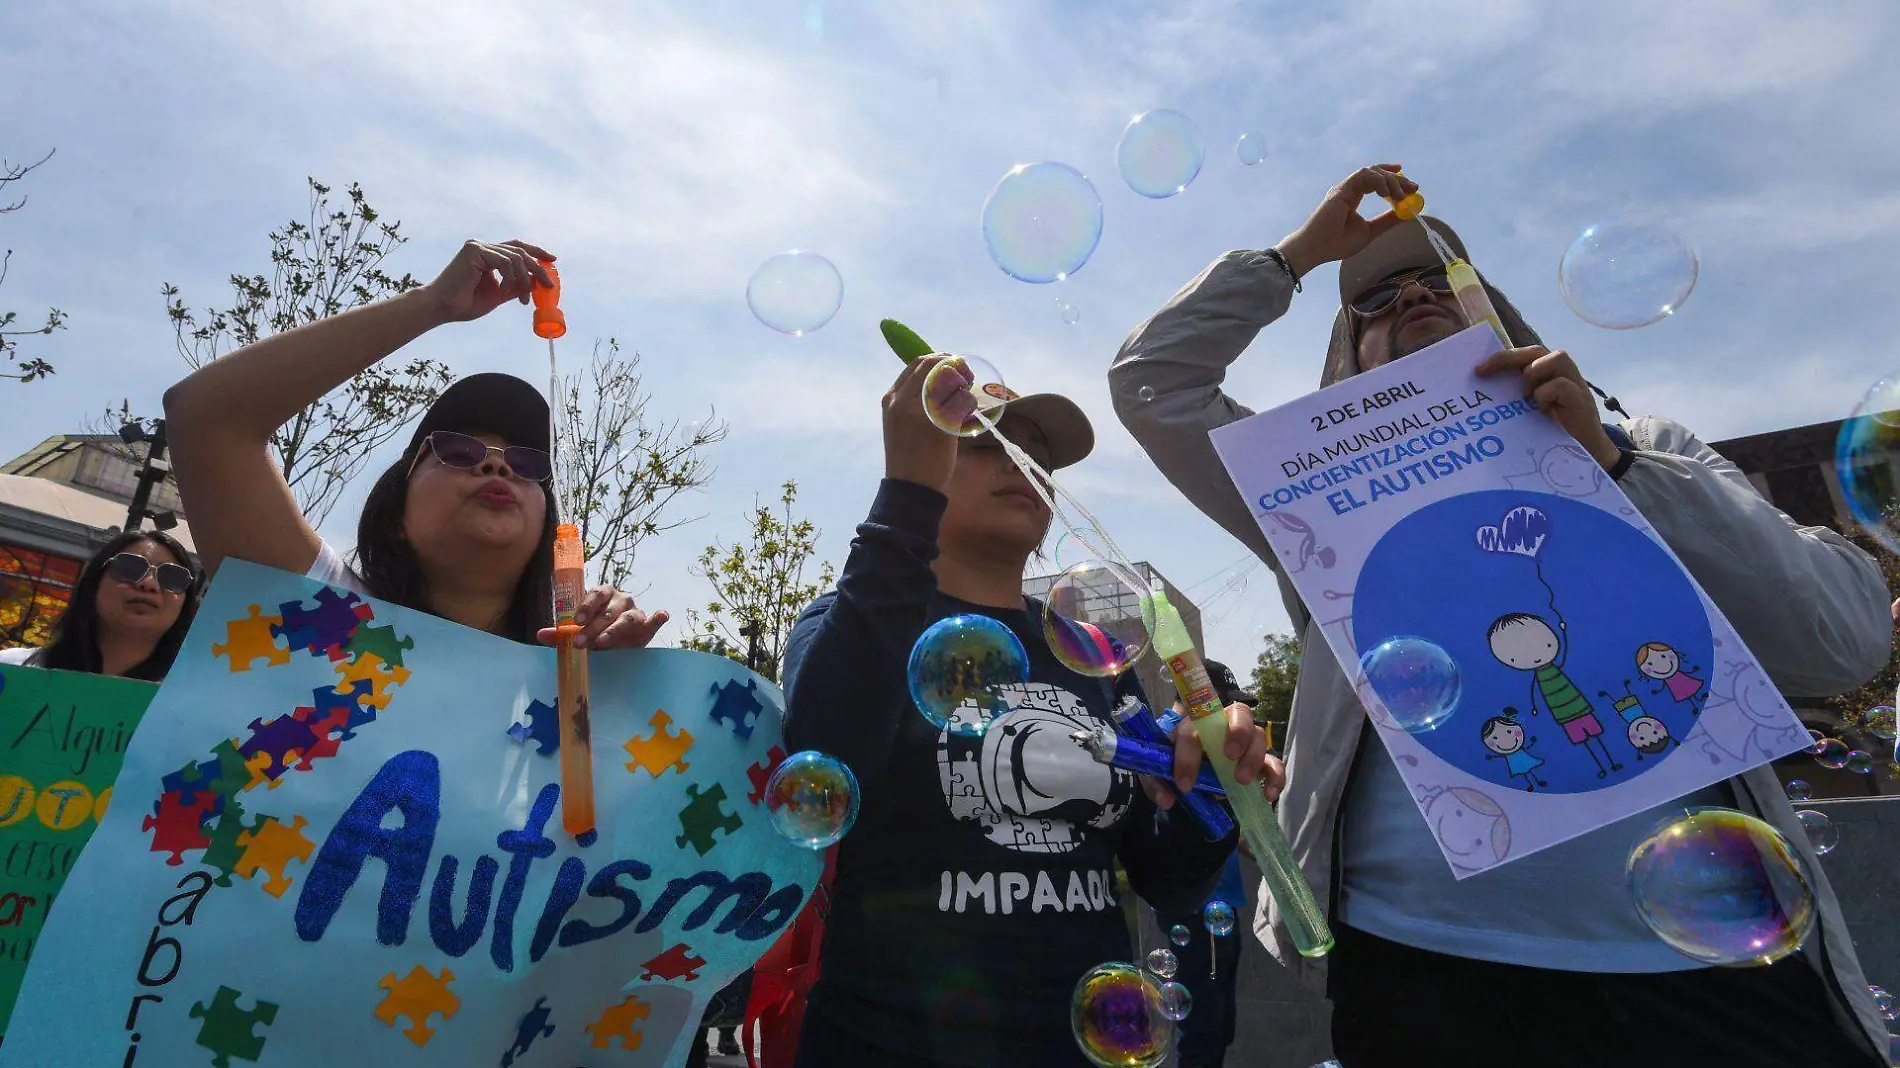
[1093, 618]
[1628, 271]
[1117, 1018]
[795, 292]
[1042, 222]
[1159, 153]
[812, 798]
[958, 669]
[957, 387]
[1722, 887]
[1867, 438]
[1417, 681]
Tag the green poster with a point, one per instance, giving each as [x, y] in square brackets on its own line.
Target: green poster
[62, 737]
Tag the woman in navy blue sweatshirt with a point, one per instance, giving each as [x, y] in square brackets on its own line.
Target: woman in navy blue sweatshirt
[977, 886]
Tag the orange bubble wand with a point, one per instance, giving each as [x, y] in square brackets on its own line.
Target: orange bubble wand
[570, 585]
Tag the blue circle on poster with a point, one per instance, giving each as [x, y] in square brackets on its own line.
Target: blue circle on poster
[1584, 649]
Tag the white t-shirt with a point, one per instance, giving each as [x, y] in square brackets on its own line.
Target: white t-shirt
[17, 656]
[330, 570]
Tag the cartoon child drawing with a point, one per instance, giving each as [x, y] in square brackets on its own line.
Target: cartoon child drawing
[1527, 643]
[1663, 664]
[1505, 737]
[1648, 736]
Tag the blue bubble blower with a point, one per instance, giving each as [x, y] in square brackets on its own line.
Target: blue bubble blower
[1148, 756]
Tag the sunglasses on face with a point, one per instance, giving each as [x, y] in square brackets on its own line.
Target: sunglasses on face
[467, 453]
[130, 569]
[1376, 300]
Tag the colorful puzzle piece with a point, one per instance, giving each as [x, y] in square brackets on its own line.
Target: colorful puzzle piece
[370, 668]
[737, 706]
[279, 737]
[256, 766]
[325, 628]
[226, 1030]
[327, 699]
[543, 728]
[704, 815]
[177, 826]
[271, 847]
[660, 750]
[382, 641]
[418, 996]
[223, 851]
[252, 638]
[675, 964]
[761, 773]
[230, 775]
[532, 1026]
[188, 780]
[617, 1021]
[328, 729]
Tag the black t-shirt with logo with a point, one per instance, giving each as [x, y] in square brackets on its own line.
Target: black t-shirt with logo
[977, 886]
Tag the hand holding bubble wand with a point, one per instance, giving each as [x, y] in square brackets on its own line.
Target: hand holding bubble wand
[570, 584]
[1306, 923]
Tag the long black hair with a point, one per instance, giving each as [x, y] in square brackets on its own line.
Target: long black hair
[75, 644]
[391, 570]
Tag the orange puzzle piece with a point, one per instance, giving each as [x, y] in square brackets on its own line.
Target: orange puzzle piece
[660, 750]
[249, 639]
[418, 996]
[618, 1021]
[272, 847]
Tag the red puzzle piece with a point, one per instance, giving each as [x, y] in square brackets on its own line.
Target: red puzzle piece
[179, 826]
[676, 963]
[336, 721]
[761, 773]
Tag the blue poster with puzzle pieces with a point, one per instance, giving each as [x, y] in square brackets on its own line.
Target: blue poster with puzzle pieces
[338, 829]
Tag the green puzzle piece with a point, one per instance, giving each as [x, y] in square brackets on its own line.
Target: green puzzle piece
[226, 1030]
[379, 640]
[704, 814]
[224, 852]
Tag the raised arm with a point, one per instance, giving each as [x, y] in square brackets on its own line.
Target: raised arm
[219, 419]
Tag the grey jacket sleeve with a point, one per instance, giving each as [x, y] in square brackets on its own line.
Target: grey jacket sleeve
[1166, 380]
[1812, 607]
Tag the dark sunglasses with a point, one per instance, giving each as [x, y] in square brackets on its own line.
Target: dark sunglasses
[460, 450]
[131, 569]
[1377, 299]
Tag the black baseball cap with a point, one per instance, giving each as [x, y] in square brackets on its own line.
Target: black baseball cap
[489, 403]
[1226, 687]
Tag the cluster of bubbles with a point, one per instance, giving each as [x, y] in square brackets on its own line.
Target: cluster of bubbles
[1627, 271]
[1417, 681]
[1162, 962]
[958, 388]
[1821, 832]
[1721, 887]
[958, 670]
[1117, 1017]
[1082, 612]
[795, 292]
[812, 798]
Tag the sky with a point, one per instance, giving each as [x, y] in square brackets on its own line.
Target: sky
[664, 150]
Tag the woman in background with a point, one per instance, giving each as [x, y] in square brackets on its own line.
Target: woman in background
[129, 611]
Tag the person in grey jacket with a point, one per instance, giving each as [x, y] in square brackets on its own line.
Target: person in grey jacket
[1542, 961]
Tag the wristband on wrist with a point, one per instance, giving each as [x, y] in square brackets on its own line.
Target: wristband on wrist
[1280, 258]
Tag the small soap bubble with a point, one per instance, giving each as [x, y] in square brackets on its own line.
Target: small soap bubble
[795, 292]
[1880, 722]
[1627, 271]
[1721, 887]
[959, 387]
[1819, 740]
[1159, 153]
[1833, 754]
[1799, 790]
[1867, 438]
[1078, 545]
[1860, 762]
[1176, 1002]
[812, 798]
[1093, 618]
[1145, 393]
[1418, 682]
[958, 669]
[1042, 222]
[1162, 962]
[1117, 1019]
[1883, 1002]
[1069, 312]
[1251, 148]
[1822, 834]
[1219, 917]
[1178, 934]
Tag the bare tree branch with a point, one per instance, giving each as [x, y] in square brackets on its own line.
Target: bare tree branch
[12, 172]
[34, 367]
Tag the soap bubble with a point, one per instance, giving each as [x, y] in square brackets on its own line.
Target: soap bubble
[1822, 834]
[1833, 754]
[1087, 618]
[1146, 393]
[1175, 1001]
[1077, 545]
[1042, 222]
[1069, 312]
[1178, 934]
[1820, 740]
[1868, 436]
[1117, 1020]
[1251, 148]
[1418, 682]
[1883, 1002]
[1159, 153]
[1627, 271]
[1721, 887]
[1860, 762]
[957, 387]
[795, 292]
[1163, 963]
[958, 669]
[1219, 917]
[1799, 790]
[812, 798]
[1880, 722]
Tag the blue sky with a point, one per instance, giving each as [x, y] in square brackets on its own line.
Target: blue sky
[664, 150]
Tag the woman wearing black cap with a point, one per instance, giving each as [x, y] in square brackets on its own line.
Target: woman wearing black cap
[461, 526]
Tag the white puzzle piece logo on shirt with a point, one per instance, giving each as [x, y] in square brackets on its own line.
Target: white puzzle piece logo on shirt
[1024, 780]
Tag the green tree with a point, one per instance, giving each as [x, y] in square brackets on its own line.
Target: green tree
[320, 266]
[30, 367]
[619, 474]
[1275, 674]
[758, 585]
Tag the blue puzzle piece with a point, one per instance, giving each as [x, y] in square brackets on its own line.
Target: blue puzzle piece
[543, 728]
[737, 706]
[325, 629]
[326, 701]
